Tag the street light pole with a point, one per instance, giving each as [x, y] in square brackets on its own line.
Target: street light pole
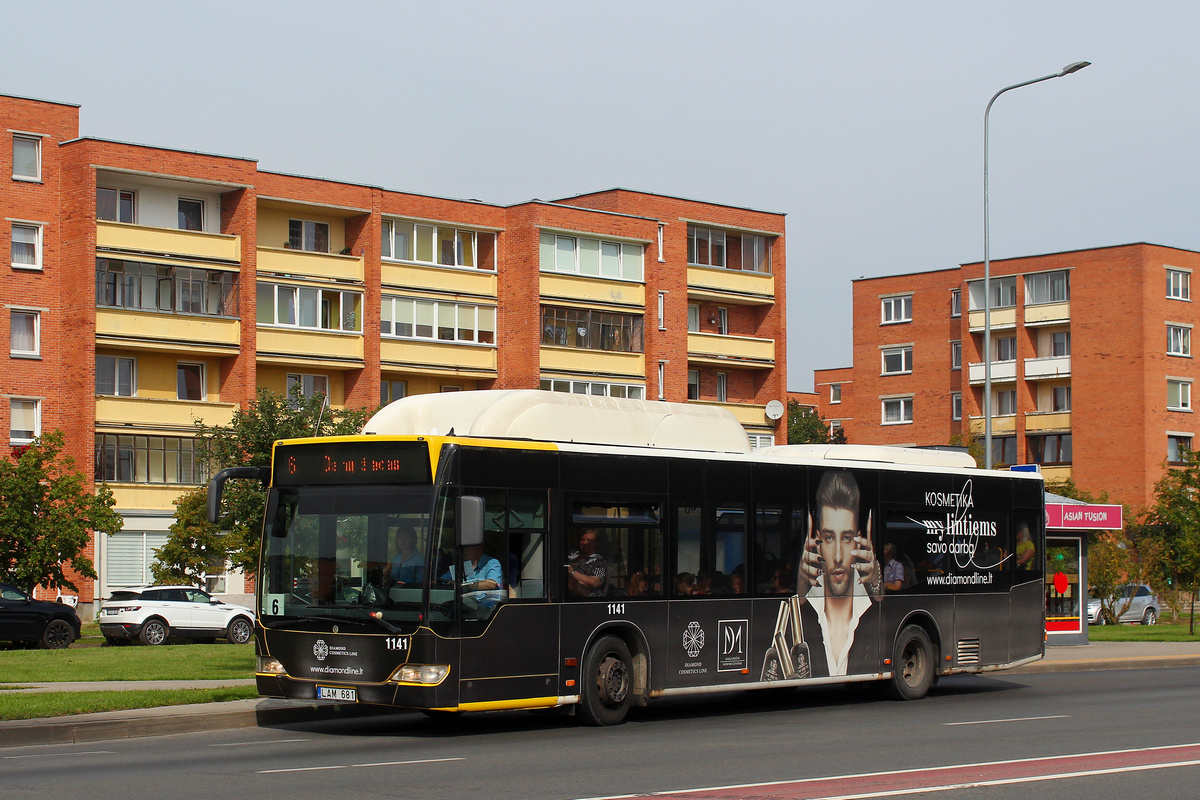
[987, 262]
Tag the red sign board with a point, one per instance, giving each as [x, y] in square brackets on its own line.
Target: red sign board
[1065, 516]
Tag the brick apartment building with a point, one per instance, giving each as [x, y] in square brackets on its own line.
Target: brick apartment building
[1092, 364]
[150, 287]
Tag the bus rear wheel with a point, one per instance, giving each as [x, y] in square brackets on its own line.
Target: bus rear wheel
[605, 683]
[912, 664]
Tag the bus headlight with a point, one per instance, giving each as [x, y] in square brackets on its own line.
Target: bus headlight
[270, 666]
[421, 673]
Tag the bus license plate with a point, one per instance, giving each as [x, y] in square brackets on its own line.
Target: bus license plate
[337, 693]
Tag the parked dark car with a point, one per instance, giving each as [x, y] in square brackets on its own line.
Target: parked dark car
[34, 622]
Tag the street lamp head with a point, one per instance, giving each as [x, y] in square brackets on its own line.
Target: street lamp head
[1075, 67]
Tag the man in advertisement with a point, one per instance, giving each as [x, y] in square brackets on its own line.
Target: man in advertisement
[840, 582]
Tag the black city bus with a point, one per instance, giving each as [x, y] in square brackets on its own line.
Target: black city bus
[706, 567]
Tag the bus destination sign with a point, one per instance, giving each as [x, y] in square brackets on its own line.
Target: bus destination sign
[344, 463]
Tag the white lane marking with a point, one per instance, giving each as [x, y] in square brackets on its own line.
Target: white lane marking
[830, 778]
[1006, 781]
[352, 766]
[261, 741]
[60, 755]
[1012, 719]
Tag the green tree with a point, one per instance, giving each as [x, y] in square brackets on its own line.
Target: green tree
[1176, 515]
[1066, 487]
[194, 546]
[246, 442]
[47, 515]
[806, 426]
[974, 445]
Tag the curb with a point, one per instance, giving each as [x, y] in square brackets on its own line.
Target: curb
[1096, 664]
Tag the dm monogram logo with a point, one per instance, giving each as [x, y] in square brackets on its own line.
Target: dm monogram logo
[732, 635]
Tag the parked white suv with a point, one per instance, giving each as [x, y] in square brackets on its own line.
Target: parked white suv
[153, 614]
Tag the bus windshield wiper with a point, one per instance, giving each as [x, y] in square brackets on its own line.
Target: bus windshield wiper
[383, 623]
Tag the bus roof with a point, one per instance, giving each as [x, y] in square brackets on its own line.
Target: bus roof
[878, 453]
[559, 417]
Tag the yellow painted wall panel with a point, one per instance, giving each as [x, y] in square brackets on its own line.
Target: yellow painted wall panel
[594, 290]
[440, 280]
[595, 361]
[168, 328]
[147, 497]
[744, 347]
[731, 280]
[155, 413]
[320, 266]
[1047, 312]
[123, 236]
[437, 354]
[303, 343]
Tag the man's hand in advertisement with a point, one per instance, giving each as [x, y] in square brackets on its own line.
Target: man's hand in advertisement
[867, 565]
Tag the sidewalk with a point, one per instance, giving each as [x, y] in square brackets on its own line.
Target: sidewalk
[262, 712]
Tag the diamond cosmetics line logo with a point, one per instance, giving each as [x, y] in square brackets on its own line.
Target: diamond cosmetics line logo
[693, 639]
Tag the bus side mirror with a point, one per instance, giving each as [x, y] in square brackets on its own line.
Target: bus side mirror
[469, 520]
[217, 486]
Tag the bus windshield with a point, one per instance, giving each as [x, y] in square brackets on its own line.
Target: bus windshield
[345, 553]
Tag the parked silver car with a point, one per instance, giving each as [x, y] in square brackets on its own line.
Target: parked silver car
[1143, 605]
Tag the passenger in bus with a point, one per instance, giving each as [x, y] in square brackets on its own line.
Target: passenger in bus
[893, 569]
[638, 585]
[704, 583]
[685, 584]
[408, 565]
[737, 581]
[1025, 547]
[483, 577]
[587, 570]
[840, 583]
[781, 579]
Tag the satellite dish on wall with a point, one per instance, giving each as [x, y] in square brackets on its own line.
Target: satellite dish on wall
[774, 409]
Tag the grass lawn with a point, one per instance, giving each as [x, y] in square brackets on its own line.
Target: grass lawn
[38, 705]
[1162, 632]
[170, 662]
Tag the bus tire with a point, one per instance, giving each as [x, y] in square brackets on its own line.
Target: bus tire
[606, 683]
[912, 664]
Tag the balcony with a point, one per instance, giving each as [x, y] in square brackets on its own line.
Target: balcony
[749, 414]
[730, 286]
[438, 358]
[1047, 421]
[577, 288]
[310, 348]
[593, 362]
[1042, 369]
[142, 414]
[1002, 372]
[745, 352]
[151, 330]
[306, 264]
[1000, 425]
[1001, 318]
[1048, 314]
[165, 241]
[444, 280]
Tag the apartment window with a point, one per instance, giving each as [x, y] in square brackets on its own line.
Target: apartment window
[24, 333]
[956, 355]
[24, 420]
[157, 287]
[835, 429]
[723, 321]
[722, 387]
[27, 157]
[390, 391]
[149, 459]
[580, 255]
[1179, 394]
[662, 380]
[1179, 340]
[308, 235]
[116, 376]
[27, 246]
[632, 391]
[1006, 403]
[307, 307]
[1004, 449]
[438, 244]
[897, 360]
[956, 405]
[1060, 343]
[835, 393]
[956, 302]
[1060, 398]
[1179, 284]
[897, 309]
[1052, 449]
[438, 320]
[1177, 445]
[1004, 293]
[1047, 287]
[662, 311]
[191, 214]
[710, 247]
[308, 385]
[693, 384]
[189, 381]
[897, 410]
[1006, 348]
[114, 205]
[693, 318]
[591, 329]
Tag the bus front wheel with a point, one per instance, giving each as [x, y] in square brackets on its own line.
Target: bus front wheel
[605, 683]
[912, 664]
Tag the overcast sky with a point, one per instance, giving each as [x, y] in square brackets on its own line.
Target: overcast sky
[863, 122]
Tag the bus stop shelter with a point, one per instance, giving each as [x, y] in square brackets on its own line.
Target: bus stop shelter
[1068, 523]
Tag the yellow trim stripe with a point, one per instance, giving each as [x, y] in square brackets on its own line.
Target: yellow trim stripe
[505, 705]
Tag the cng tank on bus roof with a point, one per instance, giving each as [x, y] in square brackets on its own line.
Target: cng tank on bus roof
[559, 417]
[869, 452]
